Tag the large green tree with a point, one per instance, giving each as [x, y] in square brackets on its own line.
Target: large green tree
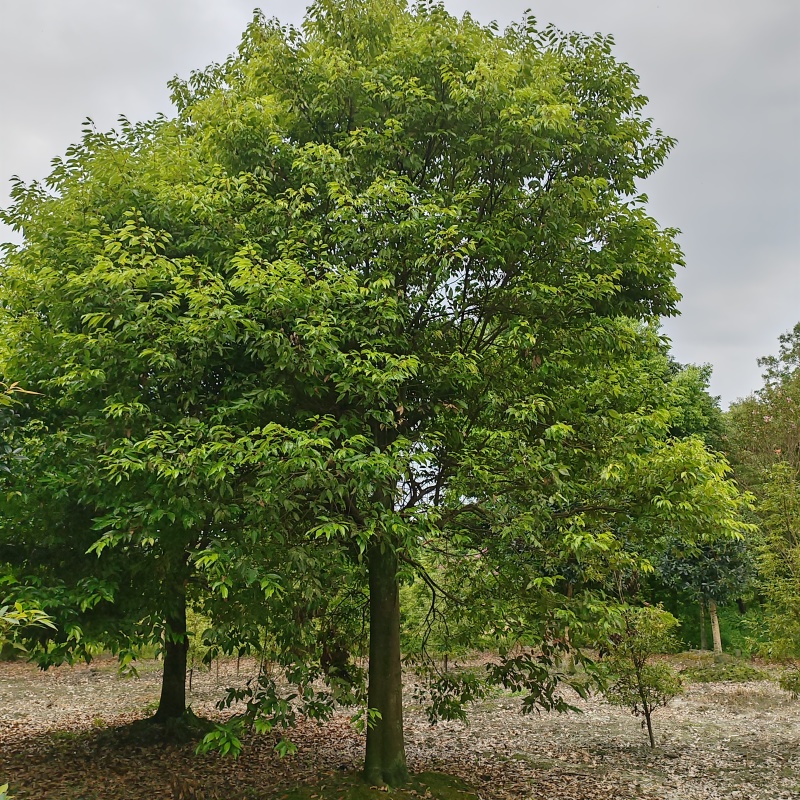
[116, 508]
[707, 570]
[117, 334]
[371, 299]
[764, 442]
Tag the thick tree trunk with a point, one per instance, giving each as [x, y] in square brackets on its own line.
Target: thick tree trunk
[386, 756]
[703, 633]
[712, 612]
[176, 644]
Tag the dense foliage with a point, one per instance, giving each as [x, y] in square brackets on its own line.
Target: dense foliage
[764, 444]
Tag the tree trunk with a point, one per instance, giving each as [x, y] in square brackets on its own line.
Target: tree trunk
[649, 728]
[567, 661]
[646, 707]
[386, 757]
[176, 644]
[712, 612]
[703, 633]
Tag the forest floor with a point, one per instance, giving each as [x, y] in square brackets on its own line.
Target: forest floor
[66, 734]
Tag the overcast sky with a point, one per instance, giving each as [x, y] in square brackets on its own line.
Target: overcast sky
[723, 77]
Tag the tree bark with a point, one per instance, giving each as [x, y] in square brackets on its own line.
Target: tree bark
[386, 757]
[703, 633]
[172, 703]
[712, 612]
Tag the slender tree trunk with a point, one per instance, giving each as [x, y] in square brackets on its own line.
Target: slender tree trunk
[712, 612]
[386, 757]
[649, 728]
[703, 632]
[646, 709]
[568, 660]
[176, 644]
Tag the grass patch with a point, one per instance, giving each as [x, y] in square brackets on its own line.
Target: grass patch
[427, 785]
[723, 668]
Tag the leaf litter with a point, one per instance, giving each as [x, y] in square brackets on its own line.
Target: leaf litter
[70, 733]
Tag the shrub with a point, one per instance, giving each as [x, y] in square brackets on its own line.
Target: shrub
[632, 682]
[790, 682]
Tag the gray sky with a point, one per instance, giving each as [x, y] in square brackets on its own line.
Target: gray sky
[723, 77]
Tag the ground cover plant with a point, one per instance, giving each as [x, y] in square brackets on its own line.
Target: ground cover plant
[725, 669]
[790, 682]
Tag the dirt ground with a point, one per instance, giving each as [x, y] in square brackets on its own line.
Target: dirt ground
[59, 739]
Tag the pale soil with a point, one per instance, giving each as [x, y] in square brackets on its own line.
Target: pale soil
[720, 740]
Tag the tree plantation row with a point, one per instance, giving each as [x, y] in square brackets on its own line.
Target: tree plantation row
[356, 360]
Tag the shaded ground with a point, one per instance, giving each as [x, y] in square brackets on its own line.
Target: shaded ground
[719, 740]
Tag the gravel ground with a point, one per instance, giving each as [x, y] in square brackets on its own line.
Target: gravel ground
[719, 740]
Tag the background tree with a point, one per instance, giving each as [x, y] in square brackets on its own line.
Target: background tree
[779, 560]
[709, 573]
[762, 429]
[695, 411]
[765, 449]
[706, 570]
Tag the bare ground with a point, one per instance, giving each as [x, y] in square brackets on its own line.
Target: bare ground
[59, 738]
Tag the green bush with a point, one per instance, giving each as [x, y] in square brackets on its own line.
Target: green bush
[649, 688]
[790, 682]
